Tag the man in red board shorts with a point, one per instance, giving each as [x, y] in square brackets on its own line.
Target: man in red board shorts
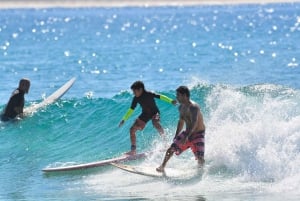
[193, 136]
[150, 111]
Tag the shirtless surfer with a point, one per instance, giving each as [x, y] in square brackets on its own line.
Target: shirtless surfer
[193, 136]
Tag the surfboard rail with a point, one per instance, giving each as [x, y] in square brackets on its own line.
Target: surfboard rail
[95, 164]
[169, 173]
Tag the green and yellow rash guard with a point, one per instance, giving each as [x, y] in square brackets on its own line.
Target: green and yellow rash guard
[147, 102]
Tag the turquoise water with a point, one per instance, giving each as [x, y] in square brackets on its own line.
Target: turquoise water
[240, 62]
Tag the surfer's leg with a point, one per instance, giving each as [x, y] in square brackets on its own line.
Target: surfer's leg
[198, 147]
[133, 130]
[168, 155]
[157, 125]
[201, 162]
[138, 125]
[176, 147]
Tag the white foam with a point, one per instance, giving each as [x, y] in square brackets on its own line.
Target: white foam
[254, 136]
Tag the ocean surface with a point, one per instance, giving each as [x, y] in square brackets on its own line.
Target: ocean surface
[240, 62]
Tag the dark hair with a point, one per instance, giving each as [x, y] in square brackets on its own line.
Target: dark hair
[24, 81]
[183, 90]
[138, 85]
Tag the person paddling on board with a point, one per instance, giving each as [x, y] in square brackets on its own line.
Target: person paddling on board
[194, 133]
[150, 111]
[15, 104]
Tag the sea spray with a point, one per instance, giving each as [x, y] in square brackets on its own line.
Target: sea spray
[254, 131]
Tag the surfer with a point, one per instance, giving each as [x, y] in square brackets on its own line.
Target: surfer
[15, 104]
[150, 111]
[193, 136]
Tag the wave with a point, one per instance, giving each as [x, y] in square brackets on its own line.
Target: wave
[253, 132]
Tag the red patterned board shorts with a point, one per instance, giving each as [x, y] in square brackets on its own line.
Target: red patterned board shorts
[196, 142]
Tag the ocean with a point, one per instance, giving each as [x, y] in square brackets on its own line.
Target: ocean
[241, 63]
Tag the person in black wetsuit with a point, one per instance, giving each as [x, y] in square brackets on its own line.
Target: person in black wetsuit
[16, 102]
[150, 111]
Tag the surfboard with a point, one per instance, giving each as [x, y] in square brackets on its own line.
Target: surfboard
[95, 164]
[50, 99]
[149, 171]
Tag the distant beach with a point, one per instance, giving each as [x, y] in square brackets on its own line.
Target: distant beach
[121, 3]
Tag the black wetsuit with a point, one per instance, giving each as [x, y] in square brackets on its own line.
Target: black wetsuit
[147, 102]
[16, 100]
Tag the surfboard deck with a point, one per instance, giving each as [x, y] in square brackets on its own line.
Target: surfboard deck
[170, 173]
[50, 99]
[95, 164]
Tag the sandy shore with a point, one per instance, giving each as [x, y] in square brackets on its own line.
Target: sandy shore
[4, 4]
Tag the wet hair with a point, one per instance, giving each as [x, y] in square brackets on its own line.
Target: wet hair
[183, 90]
[24, 81]
[138, 85]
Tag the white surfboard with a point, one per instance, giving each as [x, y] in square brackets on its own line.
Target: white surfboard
[95, 164]
[50, 99]
[169, 173]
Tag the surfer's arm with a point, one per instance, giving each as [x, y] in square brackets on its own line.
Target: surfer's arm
[19, 110]
[167, 99]
[129, 111]
[180, 124]
[179, 127]
[126, 116]
[194, 119]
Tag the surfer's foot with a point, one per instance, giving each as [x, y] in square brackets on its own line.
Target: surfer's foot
[201, 163]
[133, 150]
[160, 169]
[131, 153]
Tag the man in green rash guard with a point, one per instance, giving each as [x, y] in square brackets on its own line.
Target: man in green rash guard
[15, 104]
[150, 111]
